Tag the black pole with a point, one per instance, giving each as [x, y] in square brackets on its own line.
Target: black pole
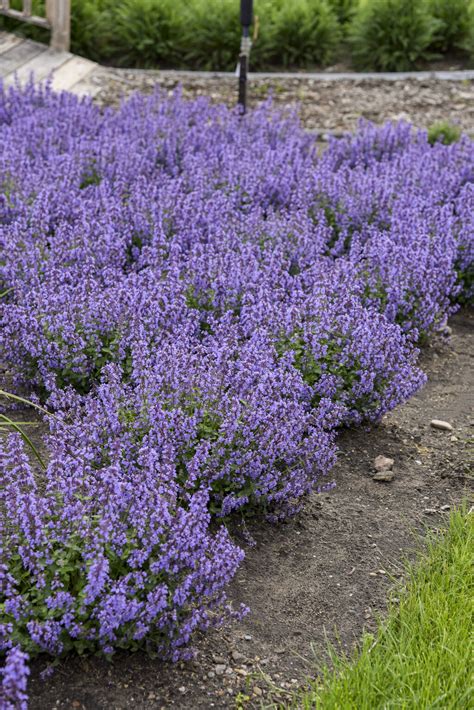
[246, 12]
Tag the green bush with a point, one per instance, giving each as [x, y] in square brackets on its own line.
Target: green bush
[344, 9]
[92, 28]
[388, 35]
[469, 46]
[147, 33]
[443, 132]
[392, 35]
[455, 20]
[303, 32]
[211, 35]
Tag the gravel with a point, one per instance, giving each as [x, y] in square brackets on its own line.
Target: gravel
[326, 106]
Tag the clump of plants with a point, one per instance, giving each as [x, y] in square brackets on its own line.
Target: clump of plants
[455, 24]
[444, 132]
[202, 302]
[387, 35]
[392, 35]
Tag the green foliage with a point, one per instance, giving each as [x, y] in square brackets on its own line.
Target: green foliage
[455, 18]
[469, 44]
[344, 9]
[211, 38]
[92, 28]
[147, 33]
[443, 132]
[421, 656]
[392, 35]
[303, 32]
[388, 35]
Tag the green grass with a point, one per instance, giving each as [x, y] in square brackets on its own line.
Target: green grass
[421, 656]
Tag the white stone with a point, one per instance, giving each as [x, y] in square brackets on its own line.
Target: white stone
[440, 424]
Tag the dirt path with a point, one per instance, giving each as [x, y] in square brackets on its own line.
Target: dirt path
[325, 569]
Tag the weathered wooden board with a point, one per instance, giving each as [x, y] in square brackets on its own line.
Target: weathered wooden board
[16, 57]
[40, 67]
[72, 72]
[8, 41]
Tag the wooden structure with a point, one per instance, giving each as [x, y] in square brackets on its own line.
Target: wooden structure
[57, 19]
[21, 59]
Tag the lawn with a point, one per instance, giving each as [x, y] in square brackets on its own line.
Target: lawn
[421, 655]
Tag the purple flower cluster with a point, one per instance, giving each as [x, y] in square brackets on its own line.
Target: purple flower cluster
[203, 300]
[14, 676]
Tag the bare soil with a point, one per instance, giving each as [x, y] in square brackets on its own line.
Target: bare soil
[326, 107]
[323, 573]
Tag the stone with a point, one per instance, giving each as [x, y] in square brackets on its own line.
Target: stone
[220, 669]
[386, 476]
[440, 424]
[445, 507]
[237, 656]
[383, 463]
[257, 691]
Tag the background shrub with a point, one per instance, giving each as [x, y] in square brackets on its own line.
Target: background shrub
[201, 34]
[92, 28]
[392, 35]
[147, 33]
[455, 18]
[470, 38]
[344, 9]
[302, 32]
[211, 35]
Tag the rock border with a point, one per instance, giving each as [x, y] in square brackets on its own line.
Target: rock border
[457, 75]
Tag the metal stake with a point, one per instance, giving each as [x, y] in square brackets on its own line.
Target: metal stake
[246, 12]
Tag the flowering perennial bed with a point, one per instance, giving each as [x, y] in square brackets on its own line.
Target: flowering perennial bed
[203, 301]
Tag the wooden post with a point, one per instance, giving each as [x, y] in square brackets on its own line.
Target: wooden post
[58, 13]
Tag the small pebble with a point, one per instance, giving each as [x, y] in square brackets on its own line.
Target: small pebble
[257, 691]
[440, 424]
[220, 669]
[453, 438]
[386, 476]
[430, 511]
[445, 507]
